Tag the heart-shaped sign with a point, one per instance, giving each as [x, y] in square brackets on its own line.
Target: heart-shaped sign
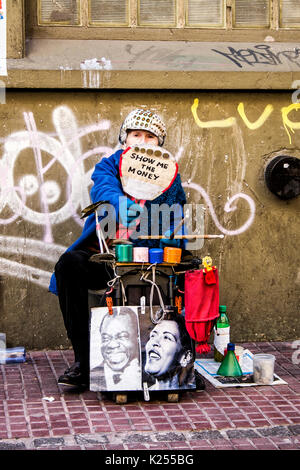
[146, 172]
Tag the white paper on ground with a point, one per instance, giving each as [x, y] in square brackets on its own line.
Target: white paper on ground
[209, 367]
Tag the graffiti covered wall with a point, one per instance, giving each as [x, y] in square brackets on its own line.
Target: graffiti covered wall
[49, 144]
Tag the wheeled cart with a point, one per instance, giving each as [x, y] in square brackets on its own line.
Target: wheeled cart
[138, 339]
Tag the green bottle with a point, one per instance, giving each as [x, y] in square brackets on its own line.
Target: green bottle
[221, 334]
[230, 365]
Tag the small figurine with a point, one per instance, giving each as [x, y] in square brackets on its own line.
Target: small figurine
[208, 270]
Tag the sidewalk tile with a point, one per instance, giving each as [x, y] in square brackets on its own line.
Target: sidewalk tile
[229, 416]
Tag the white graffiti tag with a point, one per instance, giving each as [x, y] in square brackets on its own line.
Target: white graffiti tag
[229, 207]
[65, 151]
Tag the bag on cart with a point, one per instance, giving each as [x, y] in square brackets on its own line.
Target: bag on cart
[201, 307]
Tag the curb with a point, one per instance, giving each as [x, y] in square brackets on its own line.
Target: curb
[288, 435]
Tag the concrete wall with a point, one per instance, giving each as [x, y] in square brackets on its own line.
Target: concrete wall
[52, 140]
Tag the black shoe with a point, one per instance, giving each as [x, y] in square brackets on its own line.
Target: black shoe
[74, 377]
[200, 384]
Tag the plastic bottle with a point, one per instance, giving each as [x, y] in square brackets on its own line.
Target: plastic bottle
[221, 334]
[230, 365]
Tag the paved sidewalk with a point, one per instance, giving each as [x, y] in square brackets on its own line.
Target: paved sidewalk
[37, 414]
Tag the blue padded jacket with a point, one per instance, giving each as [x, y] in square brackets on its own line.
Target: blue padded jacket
[107, 187]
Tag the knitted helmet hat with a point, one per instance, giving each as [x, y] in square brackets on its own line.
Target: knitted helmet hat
[140, 119]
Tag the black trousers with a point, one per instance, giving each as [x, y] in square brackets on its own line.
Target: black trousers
[75, 275]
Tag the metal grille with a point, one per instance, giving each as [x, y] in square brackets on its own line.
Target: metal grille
[110, 12]
[254, 13]
[61, 12]
[290, 13]
[157, 13]
[205, 12]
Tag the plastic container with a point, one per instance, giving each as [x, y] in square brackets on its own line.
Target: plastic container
[230, 366]
[172, 255]
[140, 254]
[123, 253]
[221, 334]
[263, 368]
[156, 255]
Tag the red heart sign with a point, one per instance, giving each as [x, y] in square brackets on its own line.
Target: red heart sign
[147, 172]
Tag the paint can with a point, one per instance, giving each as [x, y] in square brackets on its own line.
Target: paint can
[156, 255]
[123, 253]
[140, 254]
[172, 255]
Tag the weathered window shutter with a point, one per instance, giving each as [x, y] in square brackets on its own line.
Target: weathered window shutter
[157, 12]
[205, 12]
[109, 12]
[64, 12]
[290, 13]
[254, 13]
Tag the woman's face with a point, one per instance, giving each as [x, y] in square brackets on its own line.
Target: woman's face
[162, 348]
[136, 137]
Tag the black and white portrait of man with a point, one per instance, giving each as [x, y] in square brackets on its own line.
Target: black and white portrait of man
[115, 349]
[168, 362]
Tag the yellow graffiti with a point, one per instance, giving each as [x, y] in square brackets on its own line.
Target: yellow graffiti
[209, 124]
[260, 121]
[286, 122]
[229, 122]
